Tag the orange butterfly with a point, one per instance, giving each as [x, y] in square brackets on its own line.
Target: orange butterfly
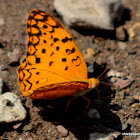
[54, 66]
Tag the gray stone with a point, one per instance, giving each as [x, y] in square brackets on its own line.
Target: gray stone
[102, 136]
[99, 14]
[11, 109]
[93, 113]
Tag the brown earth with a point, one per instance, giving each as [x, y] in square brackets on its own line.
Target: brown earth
[118, 109]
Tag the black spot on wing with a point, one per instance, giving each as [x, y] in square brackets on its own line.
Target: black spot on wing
[66, 68]
[64, 59]
[43, 50]
[57, 48]
[68, 51]
[37, 73]
[44, 41]
[75, 59]
[78, 64]
[37, 60]
[52, 54]
[55, 39]
[66, 39]
[45, 26]
[50, 63]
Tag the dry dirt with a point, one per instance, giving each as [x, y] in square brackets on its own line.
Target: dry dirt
[118, 109]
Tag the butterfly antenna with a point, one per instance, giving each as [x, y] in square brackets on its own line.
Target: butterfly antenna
[113, 86]
[99, 96]
[107, 67]
[107, 84]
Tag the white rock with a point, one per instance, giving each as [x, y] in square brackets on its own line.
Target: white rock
[90, 13]
[114, 73]
[11, 108]
[102, 136]
[93, 113]
[62, 130]
[1, 85]
[111, 73]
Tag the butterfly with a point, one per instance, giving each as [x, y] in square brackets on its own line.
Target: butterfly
[53, 66]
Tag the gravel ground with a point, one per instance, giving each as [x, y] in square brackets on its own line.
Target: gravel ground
[118, 109]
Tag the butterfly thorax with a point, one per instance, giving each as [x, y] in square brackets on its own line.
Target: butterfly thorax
[92, 83]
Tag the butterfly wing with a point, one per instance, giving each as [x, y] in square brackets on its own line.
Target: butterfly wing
[32, 79]
[51, 47]
[52, 56]
[60, 90]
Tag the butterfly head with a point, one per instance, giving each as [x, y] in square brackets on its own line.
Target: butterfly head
[93, 83]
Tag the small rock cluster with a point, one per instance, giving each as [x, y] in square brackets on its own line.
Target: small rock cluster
[11, 108]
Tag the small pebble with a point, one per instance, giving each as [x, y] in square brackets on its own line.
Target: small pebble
[134, 29]
[11, 109]
[124, 125]
[122, 45]
[93, 113]
[118, 82]
[114, 73]
[62, 130]
[121, 33]
[17, 125]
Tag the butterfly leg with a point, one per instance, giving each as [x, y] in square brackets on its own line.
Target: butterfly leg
[99, 96]
[69, 103]
[87, 104]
